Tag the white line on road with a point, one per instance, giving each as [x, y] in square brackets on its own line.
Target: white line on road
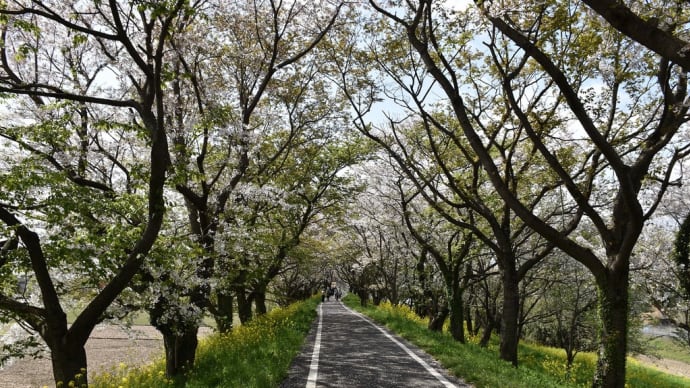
[407, 350]
[314, 367]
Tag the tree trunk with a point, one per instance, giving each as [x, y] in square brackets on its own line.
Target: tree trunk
[437, 320]
[224, 311]
[569, 357]
[470, 322]
[488, 329]
[509, 317]
[457, 311]
[180, 351]
[613, 310]
[69, 364]
[363, 296]
[244, 306]
[179, 336]
[259, 296]
[376, 297]
[478, 324]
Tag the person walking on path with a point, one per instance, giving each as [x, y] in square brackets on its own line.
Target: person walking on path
[346, 349]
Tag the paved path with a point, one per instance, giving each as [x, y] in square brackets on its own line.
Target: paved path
[345, 349]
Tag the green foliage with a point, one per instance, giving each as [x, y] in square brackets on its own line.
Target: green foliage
[30, 346]
[254, 355]
[79, 39]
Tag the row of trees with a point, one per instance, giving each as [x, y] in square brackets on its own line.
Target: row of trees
[173, 156]
[196, 157]
[535, 129]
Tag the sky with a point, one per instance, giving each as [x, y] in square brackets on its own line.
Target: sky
[457, 4]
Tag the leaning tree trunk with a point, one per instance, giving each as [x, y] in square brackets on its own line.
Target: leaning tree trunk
[509, 317]
[613, 311]
[488, 329]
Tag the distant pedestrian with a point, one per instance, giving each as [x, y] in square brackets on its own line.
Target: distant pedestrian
[323, 295]
[338, 294]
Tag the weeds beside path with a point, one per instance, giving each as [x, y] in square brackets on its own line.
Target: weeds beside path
[254, 355]
[539, 366]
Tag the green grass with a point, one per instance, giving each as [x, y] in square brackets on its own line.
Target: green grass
[664, 347]
[254, 355]
[539, 366]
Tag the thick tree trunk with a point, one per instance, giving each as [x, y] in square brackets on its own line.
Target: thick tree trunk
[179, 336]
[509, 317]
[244, 306]
[613, 310]
[180, 351]
[363, 297]
[457, 311]
[69, 364]
[224, 311]
[260, 301]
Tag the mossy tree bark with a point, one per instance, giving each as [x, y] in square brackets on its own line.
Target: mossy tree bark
[613, 311]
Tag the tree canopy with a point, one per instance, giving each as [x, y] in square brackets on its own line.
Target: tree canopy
[216, 158]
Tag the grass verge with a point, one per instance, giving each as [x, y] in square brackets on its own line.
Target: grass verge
[254, 355]
[539, 366]
[666, 347]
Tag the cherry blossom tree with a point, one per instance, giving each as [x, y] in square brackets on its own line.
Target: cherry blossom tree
[83, 86]
[605, 145]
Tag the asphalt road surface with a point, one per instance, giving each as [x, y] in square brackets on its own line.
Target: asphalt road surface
[346, 349]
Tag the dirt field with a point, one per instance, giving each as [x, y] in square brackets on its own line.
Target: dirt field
[669, 366]
[107, 348]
